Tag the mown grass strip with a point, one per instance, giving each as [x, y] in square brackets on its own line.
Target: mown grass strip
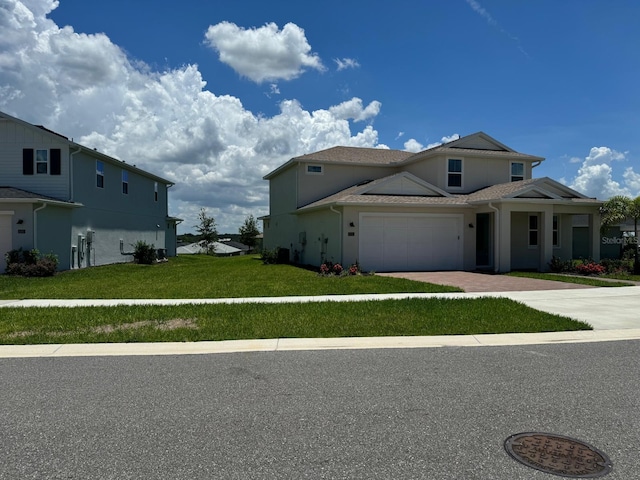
[557, 277]
[190, 323]
[202, 276]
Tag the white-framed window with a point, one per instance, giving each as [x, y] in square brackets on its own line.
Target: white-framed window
[454, 173]
[155, 191]
[42, 161]
[99, 174]
[556, 231]
[315, 170]
[534, 231]
[125, 182]
[517, 171]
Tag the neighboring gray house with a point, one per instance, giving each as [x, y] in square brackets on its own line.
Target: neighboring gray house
[64, 198]
[470, 204]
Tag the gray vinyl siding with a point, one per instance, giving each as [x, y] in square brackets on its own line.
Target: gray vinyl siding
[14, 138]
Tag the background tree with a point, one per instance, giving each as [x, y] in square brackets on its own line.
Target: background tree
[618, 209]
[207, 231]
[248, 232]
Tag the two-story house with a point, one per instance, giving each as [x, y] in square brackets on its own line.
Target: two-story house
[64, 198]
[470, 204]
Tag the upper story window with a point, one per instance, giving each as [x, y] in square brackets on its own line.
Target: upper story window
[155, 191]
[314, 169]
[41, 161]
[99, 174]
[125, 182]
[533, 230]
[517, 171]
[454, 173]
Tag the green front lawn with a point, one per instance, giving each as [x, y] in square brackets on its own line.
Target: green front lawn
[189, 323]
[202, 276]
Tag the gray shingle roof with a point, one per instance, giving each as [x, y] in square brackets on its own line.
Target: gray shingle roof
[379, 156]
[11, 193]
[354, 196]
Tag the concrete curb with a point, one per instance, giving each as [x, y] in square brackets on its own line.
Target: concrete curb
[293, 344]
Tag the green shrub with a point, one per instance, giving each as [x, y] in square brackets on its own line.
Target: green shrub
[269, 257]
[557, 265]
[144, 253]
[30, 263]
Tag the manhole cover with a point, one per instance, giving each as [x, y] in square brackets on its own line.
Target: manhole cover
[558, 455]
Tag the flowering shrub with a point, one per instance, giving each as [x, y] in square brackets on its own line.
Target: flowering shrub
[337, 269]
[354, 269]
[325, 269]
[590, 268]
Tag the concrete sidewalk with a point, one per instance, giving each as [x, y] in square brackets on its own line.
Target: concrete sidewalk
[613, 312]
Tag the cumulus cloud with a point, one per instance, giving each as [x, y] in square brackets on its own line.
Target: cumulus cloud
[344, 63]
[263, 54]
[353, 110]
[212, 147]
[595, 177]
[412, 145]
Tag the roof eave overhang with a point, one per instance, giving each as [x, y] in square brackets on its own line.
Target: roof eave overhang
[381, 204]
[546, 201]
[57, 203]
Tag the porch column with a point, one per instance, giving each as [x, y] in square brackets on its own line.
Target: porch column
[546, 249]
[594, 230]
[503, 235]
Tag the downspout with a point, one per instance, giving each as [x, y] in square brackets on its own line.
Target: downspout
[35, 224]
[71, 154]
[496, 262]
[340, 234]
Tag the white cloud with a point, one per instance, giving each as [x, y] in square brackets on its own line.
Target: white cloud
[265, 53]
[213, 148]
[450, 138]
[595, 177]
[412, 145]
[480, 10]
[352, 109]
[344, 63]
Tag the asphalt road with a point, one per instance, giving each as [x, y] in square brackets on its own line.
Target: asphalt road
[435, 413]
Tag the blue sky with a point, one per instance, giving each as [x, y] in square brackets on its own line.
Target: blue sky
[213, 95]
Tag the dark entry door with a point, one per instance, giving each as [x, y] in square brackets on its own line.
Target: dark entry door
[483, 240]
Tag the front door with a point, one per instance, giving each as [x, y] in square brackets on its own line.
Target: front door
[483, 240]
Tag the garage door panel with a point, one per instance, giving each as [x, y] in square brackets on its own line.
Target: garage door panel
[400, 242]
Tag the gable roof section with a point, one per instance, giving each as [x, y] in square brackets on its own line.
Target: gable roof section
[375, 193]
[479, 141]
[403, 183]
[475, 144]
[401, 188]
[535, 188]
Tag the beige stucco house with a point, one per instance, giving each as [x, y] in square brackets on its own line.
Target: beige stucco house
[470, 204]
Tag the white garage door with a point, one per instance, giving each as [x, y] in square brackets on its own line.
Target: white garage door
[399, 242]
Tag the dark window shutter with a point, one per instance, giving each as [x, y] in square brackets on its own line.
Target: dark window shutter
[27, 161]
[54, 155]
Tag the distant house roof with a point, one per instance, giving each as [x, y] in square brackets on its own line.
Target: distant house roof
[219, 249]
